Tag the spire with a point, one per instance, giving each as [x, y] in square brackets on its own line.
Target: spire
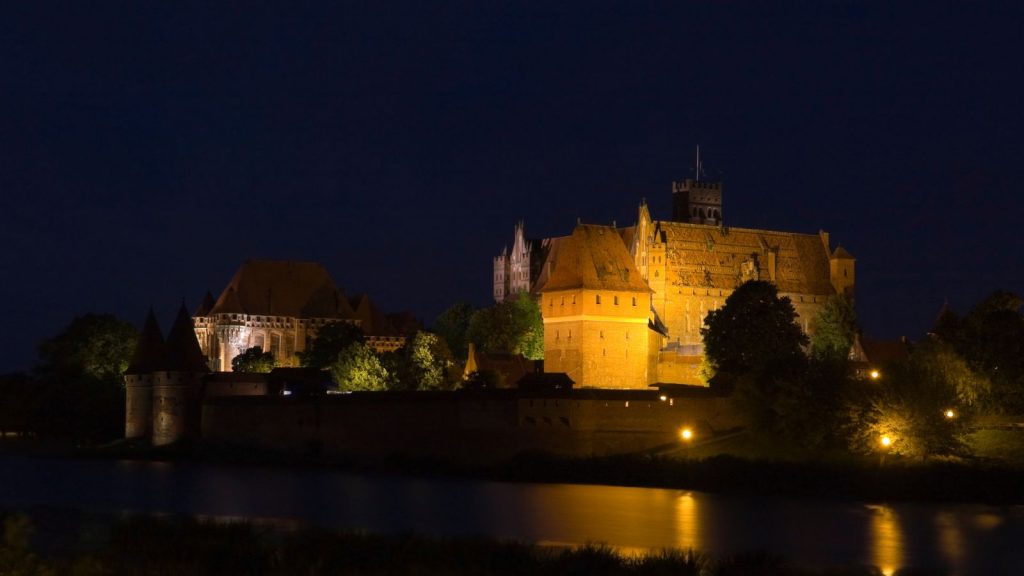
[206, 305]
[182, 352]
[149, 352]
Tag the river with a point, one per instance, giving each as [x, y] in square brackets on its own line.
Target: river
[954, 538]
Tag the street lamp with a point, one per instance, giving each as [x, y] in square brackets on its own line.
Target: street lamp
[949, 414]
[875, 374]
[686, 434]
[885, 441]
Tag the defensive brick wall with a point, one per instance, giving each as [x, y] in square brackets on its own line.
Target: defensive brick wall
[475, 426]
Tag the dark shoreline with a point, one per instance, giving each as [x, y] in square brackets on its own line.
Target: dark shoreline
[863, 480]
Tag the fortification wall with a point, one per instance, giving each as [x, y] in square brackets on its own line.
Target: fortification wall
[478, 427]
[138, 405]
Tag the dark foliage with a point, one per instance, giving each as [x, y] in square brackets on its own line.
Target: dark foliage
[330, 340]
[755, 332]
[79, 386]
[991, 339]
[452, 325]
[253, 360]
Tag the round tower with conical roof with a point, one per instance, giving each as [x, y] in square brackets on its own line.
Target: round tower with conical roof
[177, 385]
[138, 380]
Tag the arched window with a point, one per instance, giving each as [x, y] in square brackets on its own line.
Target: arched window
[597, 299]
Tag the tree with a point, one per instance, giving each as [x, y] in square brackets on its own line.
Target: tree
[755, 331]
[924, 405]
[358, 368]
[254, 360]
[529, 323]
[330, 340]
[991, 340]
[510, 327]
[835, 327]
[424, 363]
[96, 347]
[452, 325]
[80, 378]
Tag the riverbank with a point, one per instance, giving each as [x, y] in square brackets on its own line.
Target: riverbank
[141, 545]
[872, 480]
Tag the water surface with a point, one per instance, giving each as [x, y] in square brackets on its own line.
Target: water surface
[958, 538]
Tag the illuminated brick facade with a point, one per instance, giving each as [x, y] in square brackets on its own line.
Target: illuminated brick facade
[678, 271]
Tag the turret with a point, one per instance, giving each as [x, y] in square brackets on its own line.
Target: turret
[138, 380]
[177, 386]
[841, 271]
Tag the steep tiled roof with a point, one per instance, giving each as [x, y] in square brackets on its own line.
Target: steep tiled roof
[206, 305]
[595, 258]
[182, 353]
[371, 319]
[404, 323]
[884, 352]
[149, 352]
[282, 288]
[712, 256]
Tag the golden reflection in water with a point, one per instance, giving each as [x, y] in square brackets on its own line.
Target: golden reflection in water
[688, 522]
[886, 539]
[951, 540]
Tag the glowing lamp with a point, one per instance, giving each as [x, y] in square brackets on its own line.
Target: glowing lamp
[686, 434]
[875, 374]
[662, 397]
[886, 441]
[949, 414]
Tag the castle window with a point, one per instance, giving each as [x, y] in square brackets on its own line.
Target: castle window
[562, 303]
[602, 333]
[634, 300]
[597, 299]
[573, 298]
[615, 300]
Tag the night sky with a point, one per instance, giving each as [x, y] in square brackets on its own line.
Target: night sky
[147, 149]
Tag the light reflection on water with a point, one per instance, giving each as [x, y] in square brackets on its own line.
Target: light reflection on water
[960, 539]
[886, 539]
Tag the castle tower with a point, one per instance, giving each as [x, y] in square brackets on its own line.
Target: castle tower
[501, 276]
[596, 309]
[841, 271]
[138, 380]
[697, 202]
[177, 386]
[519, 270]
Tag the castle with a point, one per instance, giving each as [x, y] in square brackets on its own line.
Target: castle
[279, 305]
[276, 305]
[623, 307]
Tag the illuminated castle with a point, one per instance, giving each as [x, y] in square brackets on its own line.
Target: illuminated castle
[279, 306]
[276, 305]
[623, 307]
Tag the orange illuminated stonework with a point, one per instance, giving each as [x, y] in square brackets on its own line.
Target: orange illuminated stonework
[676, 272]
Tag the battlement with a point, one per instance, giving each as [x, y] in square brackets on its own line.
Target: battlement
[690, 184]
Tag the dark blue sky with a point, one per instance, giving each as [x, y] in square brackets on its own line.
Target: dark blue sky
[147, 150]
